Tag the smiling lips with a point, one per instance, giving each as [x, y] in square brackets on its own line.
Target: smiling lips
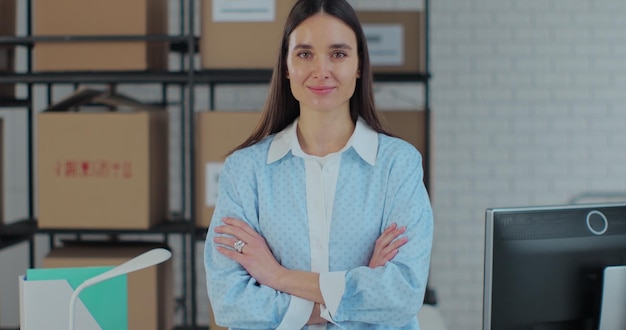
[321, 90]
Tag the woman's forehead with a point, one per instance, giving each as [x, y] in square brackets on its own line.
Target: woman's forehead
[322, 30]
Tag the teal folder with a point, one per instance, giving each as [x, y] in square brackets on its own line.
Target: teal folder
[106, 301]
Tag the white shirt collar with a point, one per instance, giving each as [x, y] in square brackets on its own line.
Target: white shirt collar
[364, 140]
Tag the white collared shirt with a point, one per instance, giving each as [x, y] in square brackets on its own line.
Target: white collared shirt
[321, 182]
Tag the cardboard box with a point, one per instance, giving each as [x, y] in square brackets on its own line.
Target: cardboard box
[396, 40]
[218, 132]
[408, 125]
[7, 52]
[150, 290]
[241, 34]
[99, 169]
[100, 18]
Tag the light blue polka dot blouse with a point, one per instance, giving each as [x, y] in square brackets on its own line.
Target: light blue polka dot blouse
[380, 182]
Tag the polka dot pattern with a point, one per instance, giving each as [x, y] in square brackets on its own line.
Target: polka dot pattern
[272, 199]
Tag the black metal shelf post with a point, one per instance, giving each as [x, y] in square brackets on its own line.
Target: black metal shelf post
[190, 115]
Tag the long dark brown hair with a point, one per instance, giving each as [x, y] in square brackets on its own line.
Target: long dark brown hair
[281, 107]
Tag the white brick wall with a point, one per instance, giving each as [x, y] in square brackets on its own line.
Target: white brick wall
[527, 103]
[527, 99]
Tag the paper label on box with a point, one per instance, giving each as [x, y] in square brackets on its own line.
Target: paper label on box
[211, 182]
[244, 10]
[385, 43]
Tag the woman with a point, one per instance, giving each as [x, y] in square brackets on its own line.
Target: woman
[322, 218]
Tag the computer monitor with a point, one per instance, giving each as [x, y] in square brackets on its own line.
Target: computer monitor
[544, 265]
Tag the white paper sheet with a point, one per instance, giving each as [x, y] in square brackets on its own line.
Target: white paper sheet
[211, 182]
[45, 305]
[244, 10]
[613, 307]
[385, 43]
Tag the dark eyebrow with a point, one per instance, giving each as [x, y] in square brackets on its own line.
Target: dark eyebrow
[303, 46]
[333, 46]
[340, 46]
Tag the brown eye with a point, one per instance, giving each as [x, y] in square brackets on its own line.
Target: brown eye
[304, 55]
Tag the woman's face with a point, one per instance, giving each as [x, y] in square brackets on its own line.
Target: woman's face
[323, 64]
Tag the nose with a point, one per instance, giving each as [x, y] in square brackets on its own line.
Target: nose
[321, 68]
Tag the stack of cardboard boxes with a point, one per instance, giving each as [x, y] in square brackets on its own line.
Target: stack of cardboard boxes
[102, 159]
[101, 170]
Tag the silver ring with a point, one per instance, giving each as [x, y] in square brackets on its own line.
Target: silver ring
[239, 245]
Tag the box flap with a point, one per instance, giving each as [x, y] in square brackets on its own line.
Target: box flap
[80, 97]
[87, 96]
[103, 249]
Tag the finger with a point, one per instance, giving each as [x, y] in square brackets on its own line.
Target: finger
[388, 236]
[232, 254]
[244, 226]
[234, 231]
[225, 241]
[390, 228]
[395, 245]
[231, 230]
[384, 258]
[389, 256]
[399, 242]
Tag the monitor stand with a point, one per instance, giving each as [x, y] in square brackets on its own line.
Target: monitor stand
[613, 306]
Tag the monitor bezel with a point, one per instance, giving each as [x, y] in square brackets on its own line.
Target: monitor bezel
[490, 214]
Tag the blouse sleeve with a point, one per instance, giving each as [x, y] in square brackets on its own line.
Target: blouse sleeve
[392, 294]
[238, 301]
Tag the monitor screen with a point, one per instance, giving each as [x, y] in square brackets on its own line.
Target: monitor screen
[544, 265]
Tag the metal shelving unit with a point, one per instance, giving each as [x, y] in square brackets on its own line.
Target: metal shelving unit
[179, 223]
[183, 223]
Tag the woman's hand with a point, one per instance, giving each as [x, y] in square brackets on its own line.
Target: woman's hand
[255, 256]
[387, 245]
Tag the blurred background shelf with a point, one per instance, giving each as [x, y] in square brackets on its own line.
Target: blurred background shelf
[13, 102]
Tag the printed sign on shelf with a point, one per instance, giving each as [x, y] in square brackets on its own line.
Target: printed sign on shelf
[385, 43]
[211, 182]
[244, 10]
